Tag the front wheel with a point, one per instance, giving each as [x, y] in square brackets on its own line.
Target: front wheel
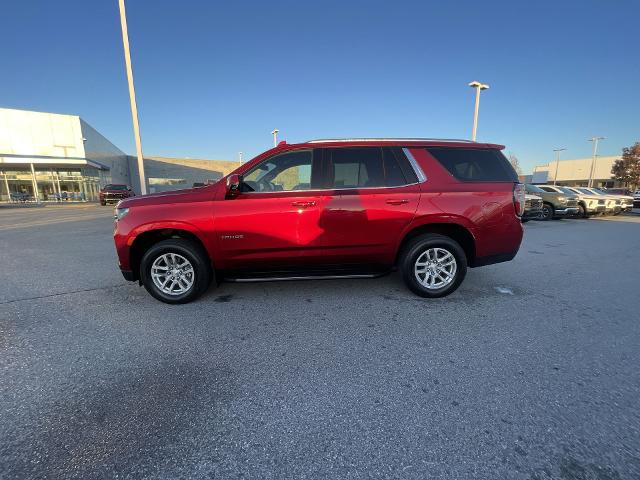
[547, 212]
[433, 265]
[582, 212]
[175, 271]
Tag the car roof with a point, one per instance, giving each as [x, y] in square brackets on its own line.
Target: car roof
[405, 142]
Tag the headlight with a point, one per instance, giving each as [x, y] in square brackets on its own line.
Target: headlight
[120, 213]
[562, 199]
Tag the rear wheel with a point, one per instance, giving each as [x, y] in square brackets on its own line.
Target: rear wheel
[433, 265]
[175, 271]
[547, 212]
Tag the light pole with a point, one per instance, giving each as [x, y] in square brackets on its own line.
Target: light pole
[132, 97]
[478, 86]
[240, 157]
[557, 150]
[595, 141]
[275, 137]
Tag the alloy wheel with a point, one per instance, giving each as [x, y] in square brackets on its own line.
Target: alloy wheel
[173, 274]
[435, 268]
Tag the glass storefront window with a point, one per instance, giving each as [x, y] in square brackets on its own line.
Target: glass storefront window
[53, 185]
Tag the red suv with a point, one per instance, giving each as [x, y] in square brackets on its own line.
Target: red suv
[330, 209]
[114, 192]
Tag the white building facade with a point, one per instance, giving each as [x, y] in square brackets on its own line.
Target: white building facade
[54, 157]
[577, 172]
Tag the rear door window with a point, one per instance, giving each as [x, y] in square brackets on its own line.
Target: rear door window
[365, 167]
[475, 164]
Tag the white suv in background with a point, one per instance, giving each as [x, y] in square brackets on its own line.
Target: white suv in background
[588, 204]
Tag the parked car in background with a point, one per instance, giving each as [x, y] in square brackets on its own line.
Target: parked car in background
[623, 201]
[588, 203]
[532, 208]
[636, 199]
[612, 202]
[114, 192]
[618, 191]
[19, 196]
[330, 209]
[554, 204]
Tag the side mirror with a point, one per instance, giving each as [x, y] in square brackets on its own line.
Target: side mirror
[233, 184]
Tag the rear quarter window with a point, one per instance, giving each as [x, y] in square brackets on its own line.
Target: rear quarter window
[475, 164]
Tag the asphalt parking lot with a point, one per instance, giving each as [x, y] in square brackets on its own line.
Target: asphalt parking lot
[531, 370]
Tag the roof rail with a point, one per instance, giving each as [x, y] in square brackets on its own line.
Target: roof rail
[327, 140]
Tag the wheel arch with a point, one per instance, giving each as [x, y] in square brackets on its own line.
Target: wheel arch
[148, 238]
[455, 231]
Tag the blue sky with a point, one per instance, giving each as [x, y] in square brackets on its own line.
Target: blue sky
[214, 78]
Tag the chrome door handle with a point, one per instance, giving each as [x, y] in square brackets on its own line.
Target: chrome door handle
[399, 201]
[303, 204]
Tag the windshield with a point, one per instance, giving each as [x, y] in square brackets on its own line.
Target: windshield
[533, 188]
[567, 190]
[115, 187]
[585, 191]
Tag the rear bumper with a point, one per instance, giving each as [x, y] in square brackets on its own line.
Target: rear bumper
[491, 259]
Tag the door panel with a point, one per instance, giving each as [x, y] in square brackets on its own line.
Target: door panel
[363, 225]
[263, 230]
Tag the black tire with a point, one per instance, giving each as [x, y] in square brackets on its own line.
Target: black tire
[582, 212]
[547, 212]
[103, 204]
[416, 248]
[203, 273]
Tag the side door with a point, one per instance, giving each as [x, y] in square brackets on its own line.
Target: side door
[372, 195]
[273, 221]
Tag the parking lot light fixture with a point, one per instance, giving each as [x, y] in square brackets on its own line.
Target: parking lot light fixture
[557, 150]
[240, 157]
[275, 137]
[132, 97]
[479, 87]
[594, 157]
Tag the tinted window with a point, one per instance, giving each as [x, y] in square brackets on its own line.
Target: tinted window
[393, 174]
[549, 189]
[357, 167]
[115, 187]
[284, 172]
[367, 167]
[474, 164]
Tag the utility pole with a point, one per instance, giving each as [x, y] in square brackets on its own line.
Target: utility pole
[275, 137]
[557, 150]
[593, 159]
[478, 86]
[132, 97]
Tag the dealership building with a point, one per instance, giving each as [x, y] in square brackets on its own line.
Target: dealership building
[50, 157]
[575, 173]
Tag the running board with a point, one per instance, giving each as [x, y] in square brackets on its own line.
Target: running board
[302, 277]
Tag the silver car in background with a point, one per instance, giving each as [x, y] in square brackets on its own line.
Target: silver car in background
[588, 203]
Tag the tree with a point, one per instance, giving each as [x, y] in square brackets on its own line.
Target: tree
[515, 163]
[627, 169]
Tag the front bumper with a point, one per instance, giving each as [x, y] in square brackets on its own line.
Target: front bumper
[128, 275]
[532, 213]
[561, 212]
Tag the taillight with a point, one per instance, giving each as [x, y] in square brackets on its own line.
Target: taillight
[518, 198]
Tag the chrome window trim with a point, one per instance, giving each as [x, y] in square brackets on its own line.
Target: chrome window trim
[414, 164]
[332, 189]
[412, 161]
